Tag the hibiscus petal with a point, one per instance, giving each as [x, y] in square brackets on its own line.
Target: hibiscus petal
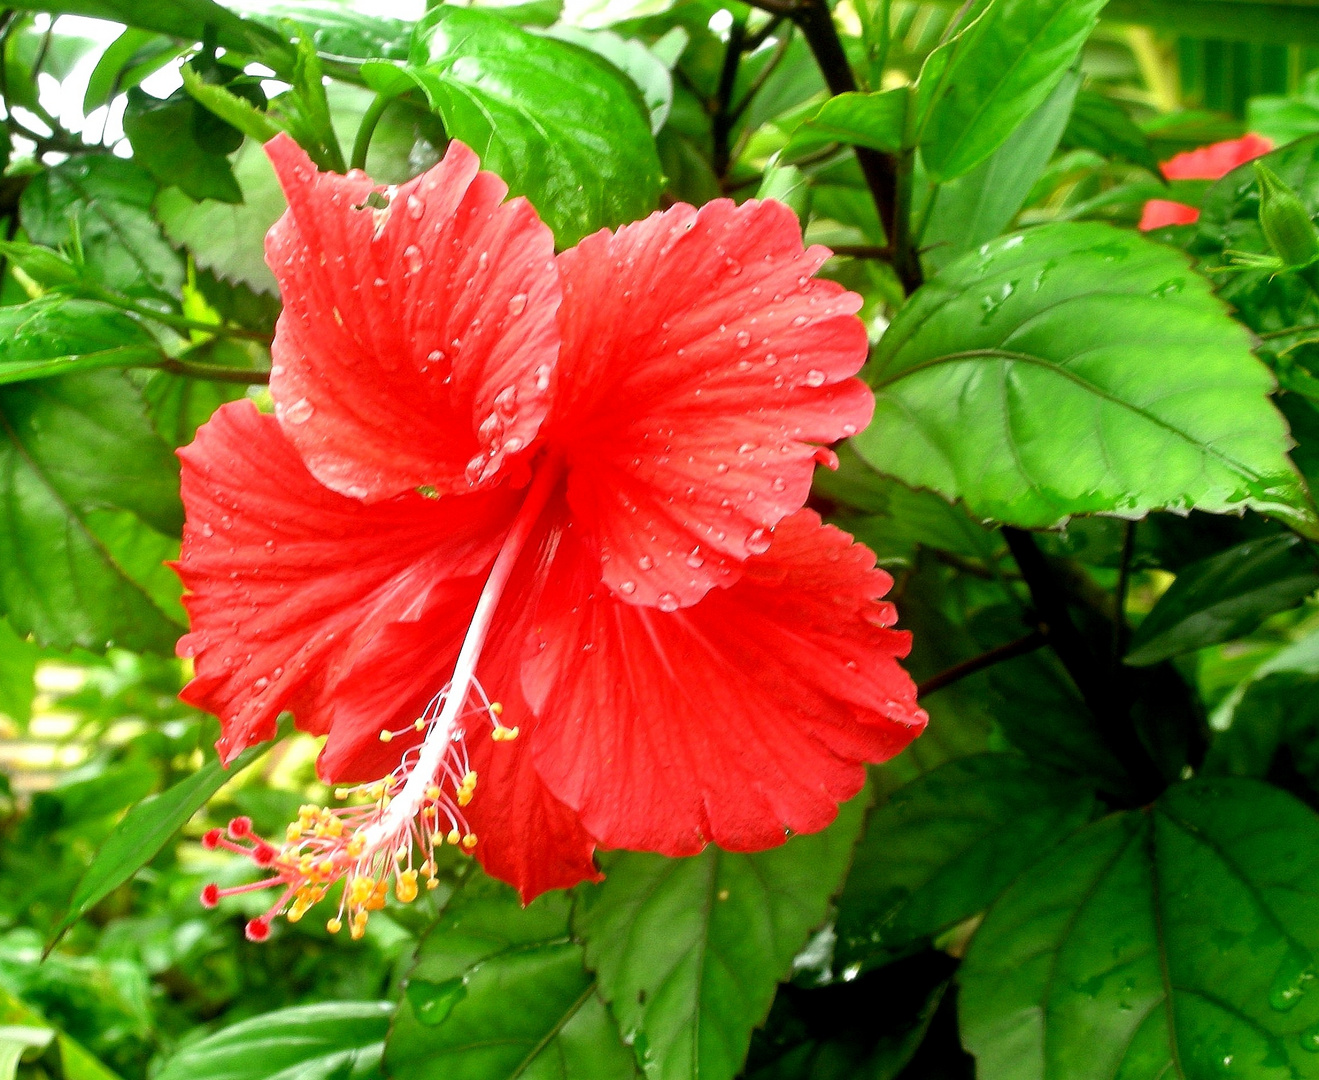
[731, 721]
[527, 837]
[288, 579]
[700, 362]
[416, 341]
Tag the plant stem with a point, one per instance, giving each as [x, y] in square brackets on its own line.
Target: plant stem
[1027, 643]
[1093, 679]
[1120, 596]
[213, 372]
[178, 322]
[366, 129]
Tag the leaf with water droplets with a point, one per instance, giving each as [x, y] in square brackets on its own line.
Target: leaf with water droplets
[1079, 369]
[1178, 940]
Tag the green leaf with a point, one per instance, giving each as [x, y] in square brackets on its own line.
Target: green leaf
[874, 120]
[147, 828]
[109, 199]
[18, 670]
[1284, 23]
[46, 266]
[1100, 124]
[335, 1040]
[688, 951]
[60, 336]
[1073, 369]
[74, 451]
[16, 1041]
[499, 992]
[1178, 940]
[66, 1059]
[1226, 596]
[336, 29]
[1276, 713]
[164, 138]
[974, 90]
[225, 238]
[229, 107]
[129, 59]
[560, 125]
[979, 205]
[631, 57]
[945, 846]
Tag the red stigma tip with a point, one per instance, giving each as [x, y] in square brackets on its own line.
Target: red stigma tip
[210, 895]
[263, 854]
[211, 839]
[240, 828]
[257, 929]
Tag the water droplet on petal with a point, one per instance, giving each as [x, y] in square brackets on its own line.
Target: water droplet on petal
[646, 562]
[721, 468]
[412, 258]
[627, 588]
[207, 530]
[226, 522]
[746, 448]
[415, 208]
[758, 542]
[800, 320]
[696, 560]
[270, 547]
[743, 338]
[260, 684]
[815, 377]
[666, 601]
[517, 303]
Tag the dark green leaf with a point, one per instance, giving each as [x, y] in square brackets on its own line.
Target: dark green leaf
[1276, 713]
[1226, 596]
[1176, 941]
[109, 199]
[60, 336]
[499, 992]
[164, 134]
[18, 669]
[559, 124]
[87, 484]
[688, 951]
[945, 846]
[979, 205]
[975, 90]
[1100, 124]
[145, 830]
[1078, 369]
[1283, 23]
[335, 1040]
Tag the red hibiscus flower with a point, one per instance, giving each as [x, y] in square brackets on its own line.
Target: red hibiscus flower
[1205, 163]
[558, 498]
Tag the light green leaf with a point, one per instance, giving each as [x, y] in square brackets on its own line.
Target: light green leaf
[1225, 596]
[560, 125]
[18, 670]
[335, 1040]
[1073, 369]
[631, 57]
[688, 951]
[110, 201]
[974, 90]
[500, 992]
[1100, 124]
[875, 120]
[147, 828]
[979, 205]
[57, 335]
[1174, 941]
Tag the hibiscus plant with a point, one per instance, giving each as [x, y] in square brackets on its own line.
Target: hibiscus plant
[591, 539]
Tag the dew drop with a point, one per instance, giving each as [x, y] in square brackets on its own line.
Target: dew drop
[779, 484]
[758, 542]
[646, 562]
[815, 377]
[299, 412]
[517, 303]
[800, 320]
[721, 468]
[207, 530]
[412, 258]
[696, 560]
[746, 448]
[415, 208]
[482, 260]
[666, 601]
[627, 588]
[226, 522]
[743, 338]
[260, 684]
[270, 547]
[506, 401]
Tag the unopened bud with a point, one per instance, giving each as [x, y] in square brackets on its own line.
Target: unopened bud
[1285, 220]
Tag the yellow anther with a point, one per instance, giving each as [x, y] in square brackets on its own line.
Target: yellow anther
[304, 864]
[512, 734]
[386, 735]
[453, 836]
[428, 868]
[419, 725]
[377, 900]
[326, 867]
[293, 832]
[340, 793]
[496, 708]
[385, 801]
[334, 827]
[469, 841]
[433, 792]
[298, 910]
[358, 926]
[375, 790]
[406, 886]
[464, 796]
[432, 883]
[334, 925]
[356, 846]
[360, 890]
[469, 781]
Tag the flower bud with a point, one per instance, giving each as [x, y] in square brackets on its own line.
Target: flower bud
[1285, 220]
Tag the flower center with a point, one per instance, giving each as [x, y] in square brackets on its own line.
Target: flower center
[417, 806]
